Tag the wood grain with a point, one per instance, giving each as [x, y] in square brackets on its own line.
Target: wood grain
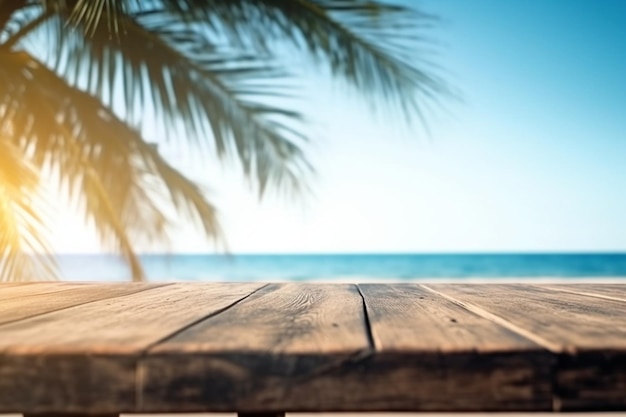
[23, 307]
[84, 358]
[287, 347]
[124, 324]
[67, 384]
[25, 289]
[566, 322]
[259, 349]
[421, 336]
[587, 334]
[609, 291]
[406, 317]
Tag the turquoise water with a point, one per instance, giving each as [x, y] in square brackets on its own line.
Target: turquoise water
[348, 267]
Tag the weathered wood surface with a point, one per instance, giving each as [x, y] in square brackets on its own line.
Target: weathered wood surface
[14, 290]
[21, 307]
[608, 291]
[586, 334]
[288, 347]
[85, 358]
[256, 348]
[560, 321]
[458, 355]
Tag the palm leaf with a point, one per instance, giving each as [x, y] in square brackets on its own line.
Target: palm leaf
[217, 92]
[196, 55]
[375, 46]
[7, 10]
[120, 182]
[207, 69]
[23, 247]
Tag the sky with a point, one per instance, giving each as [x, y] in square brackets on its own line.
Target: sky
[530, 160]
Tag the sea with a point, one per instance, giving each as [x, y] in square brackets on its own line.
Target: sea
[351, 267]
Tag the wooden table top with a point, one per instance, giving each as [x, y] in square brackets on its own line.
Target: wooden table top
[189, 347]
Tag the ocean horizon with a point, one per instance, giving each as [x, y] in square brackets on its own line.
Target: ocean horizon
[348, 267]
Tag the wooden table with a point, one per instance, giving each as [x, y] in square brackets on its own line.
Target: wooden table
[78, 348]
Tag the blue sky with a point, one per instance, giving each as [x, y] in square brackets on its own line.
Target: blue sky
[531, 160]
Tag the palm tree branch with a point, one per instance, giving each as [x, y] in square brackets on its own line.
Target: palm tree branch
[353, 37]
[22, 232]
[365, 42]
[27, 29]
[46, 105]
[201, 89]
[8, 8]
[105, 158]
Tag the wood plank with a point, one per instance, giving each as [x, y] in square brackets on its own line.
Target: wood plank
[26, 289]
[288, 347]
[83, 359]
[66, 384]
[306, 347]
[470, 363]
[588, 333]
[408, 317]
[120, 325]
[20, 308]
[564, 321]
[610, 291]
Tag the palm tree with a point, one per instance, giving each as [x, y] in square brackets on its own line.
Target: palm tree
[77, 76]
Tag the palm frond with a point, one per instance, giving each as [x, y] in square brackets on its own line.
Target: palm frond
[23, 246]
[207, 69]
[377, 47]
[119, 181]
[214, 90]
[38, 113]
[7, 10]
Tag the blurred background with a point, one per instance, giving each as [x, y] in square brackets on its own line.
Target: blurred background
[518, 173]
